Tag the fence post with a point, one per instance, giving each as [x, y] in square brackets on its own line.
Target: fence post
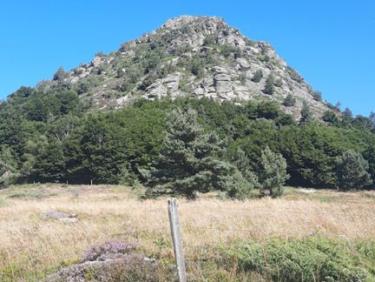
[176, 238]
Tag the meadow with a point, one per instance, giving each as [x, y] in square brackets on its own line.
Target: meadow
[213, 228]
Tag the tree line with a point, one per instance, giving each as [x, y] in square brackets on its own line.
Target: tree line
[183, 146]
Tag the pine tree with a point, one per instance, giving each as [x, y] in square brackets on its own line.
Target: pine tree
[50, 164]
[242, 162]
[269, 87]
[330, 117]
[289, 101]
[352, 171]
[245, 179]
[306, 114]
[273, 174]
[189, 159]
[258, 75]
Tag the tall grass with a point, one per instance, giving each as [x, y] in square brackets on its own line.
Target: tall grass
[32, 246]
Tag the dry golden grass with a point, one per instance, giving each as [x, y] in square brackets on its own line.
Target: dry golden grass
[30, 245]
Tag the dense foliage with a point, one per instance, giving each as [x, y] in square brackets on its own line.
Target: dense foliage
[52, 137]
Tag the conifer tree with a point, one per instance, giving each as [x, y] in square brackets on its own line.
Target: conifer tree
[269, 87]
[258, 75]
[352, 171]
[289, 101]
[242, 162]
[189, 161]
[306, 114]
[273, 174]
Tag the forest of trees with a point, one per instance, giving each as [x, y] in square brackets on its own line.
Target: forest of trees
[210, 145]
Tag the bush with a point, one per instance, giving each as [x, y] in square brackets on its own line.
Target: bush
[306, 114]
[197, 67]
[330, 117]
[228, 50]
[294, 75]
[257, 77]
[60, 75]
[289, 101]
[269, 88]
[317, 95]
[312, 259]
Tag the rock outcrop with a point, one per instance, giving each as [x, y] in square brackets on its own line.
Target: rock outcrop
[110, 262]
[190, 56]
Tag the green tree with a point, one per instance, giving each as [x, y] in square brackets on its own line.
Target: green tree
[242, 162]
[60, 74]
[273, 174]
[8, 166]
[352, 171]
[289, 101]
[330, 117]
[306, 114]
[269, 87]
[257, 77]
[189, 159]
[50, 164]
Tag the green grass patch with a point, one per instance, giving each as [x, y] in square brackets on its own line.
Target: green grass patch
[311, 259]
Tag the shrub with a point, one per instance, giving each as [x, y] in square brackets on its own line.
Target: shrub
[294, 75]
[289, 101]
[60, 74]
[257, 77]
[306, 114]
[330, 117]
[228, 50]
[317, 95]
[197, 67]
[269, 88]
[312, 259]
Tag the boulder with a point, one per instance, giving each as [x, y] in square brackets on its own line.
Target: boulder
[60, 216]
[111, 261]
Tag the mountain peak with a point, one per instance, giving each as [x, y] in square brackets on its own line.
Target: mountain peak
[191, 56]
[184, 20]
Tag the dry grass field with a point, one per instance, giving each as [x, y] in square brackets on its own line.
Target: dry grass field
[32, 245]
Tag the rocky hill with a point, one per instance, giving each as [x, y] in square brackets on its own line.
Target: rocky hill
[197, 56]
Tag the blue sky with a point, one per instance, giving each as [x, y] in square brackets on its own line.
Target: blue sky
[331, 43]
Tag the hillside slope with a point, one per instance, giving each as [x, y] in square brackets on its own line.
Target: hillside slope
[198, 56]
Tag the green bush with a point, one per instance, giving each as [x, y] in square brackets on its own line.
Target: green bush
[306, 113]
[311, 259]
[289, 101]
[257, 77]
[269, 87]
[294, 75]
[317, 95]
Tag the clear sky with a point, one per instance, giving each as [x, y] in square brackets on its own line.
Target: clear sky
[330, 42]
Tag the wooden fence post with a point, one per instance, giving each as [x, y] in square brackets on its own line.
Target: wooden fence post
[176, 238]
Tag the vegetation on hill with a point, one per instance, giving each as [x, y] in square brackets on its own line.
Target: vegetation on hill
[51, 137]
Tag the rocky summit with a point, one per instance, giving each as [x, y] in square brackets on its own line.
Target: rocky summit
[190, 56]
